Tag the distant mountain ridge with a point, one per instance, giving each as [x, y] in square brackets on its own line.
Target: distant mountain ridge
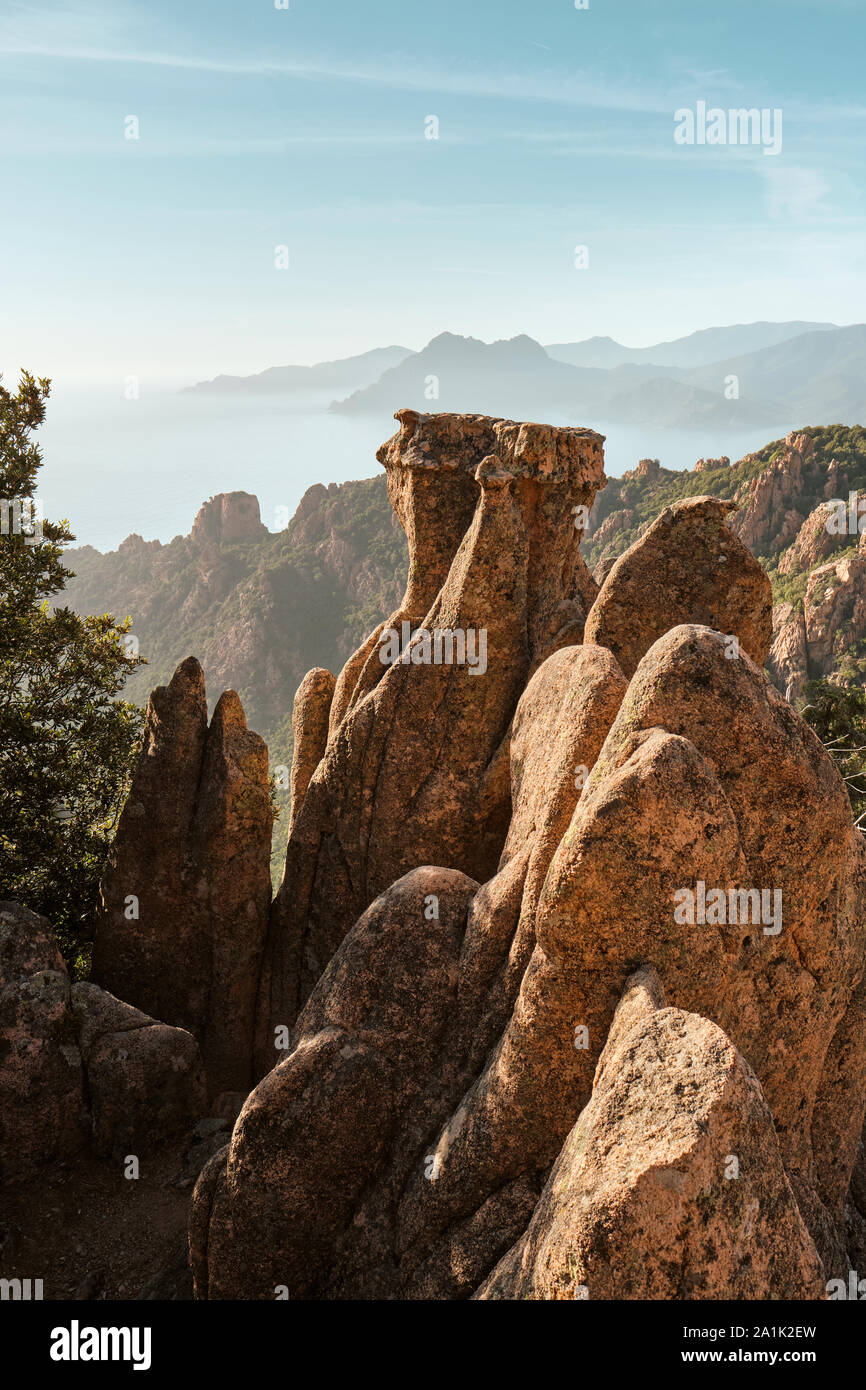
[517, 377]
[512, 377]
[744, 376]
[817, 374]
[695, 350]
[343, 374]
[823, 372]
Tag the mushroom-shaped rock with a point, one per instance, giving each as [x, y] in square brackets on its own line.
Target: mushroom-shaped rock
[413, 769]
[432, 463]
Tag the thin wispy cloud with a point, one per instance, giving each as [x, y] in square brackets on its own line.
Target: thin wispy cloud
[401, 72]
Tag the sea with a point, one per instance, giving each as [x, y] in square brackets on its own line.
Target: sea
[113, 467]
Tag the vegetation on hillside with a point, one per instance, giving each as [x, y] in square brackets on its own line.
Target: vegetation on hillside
[67, 742]
[837, 713]
[646, 496]
[259, 613]
[289, 597]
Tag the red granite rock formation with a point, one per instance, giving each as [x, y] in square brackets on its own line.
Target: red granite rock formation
[408, 1082]
[387, 1183]
[310, 716]
[563, 931]
[815, 642]
[415, 769]
[186, 893]
[771, 509]
[228, 517]
[674, 1156]
[79, 1068]
[688, 567]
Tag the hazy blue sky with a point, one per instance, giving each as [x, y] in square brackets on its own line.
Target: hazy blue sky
[306, 127]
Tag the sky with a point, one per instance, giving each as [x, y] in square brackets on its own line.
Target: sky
[307, 128]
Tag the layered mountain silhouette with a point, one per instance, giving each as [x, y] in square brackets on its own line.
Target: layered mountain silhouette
[695, 350]
[745, 376]
[344, 374]
[821, 371]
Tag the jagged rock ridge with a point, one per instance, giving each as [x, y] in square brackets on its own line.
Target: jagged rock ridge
[447, 1041]
[563, 992]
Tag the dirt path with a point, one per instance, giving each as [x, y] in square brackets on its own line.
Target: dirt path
[87, 1231]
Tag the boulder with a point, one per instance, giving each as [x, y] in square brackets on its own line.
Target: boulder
[313, 1132]
[671, 1183]
[42, 1112]
[688, 567]
[145, 1080]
